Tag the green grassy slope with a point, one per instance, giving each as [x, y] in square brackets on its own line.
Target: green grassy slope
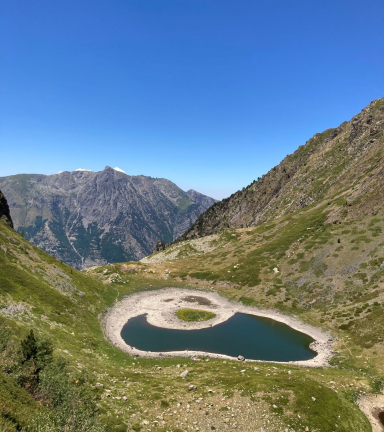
[39, 292]
[17, 408]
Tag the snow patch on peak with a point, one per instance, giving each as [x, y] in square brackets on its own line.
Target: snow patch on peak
[83, 169]
[120, 170]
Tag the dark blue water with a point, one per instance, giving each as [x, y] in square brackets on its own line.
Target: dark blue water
[253, 337]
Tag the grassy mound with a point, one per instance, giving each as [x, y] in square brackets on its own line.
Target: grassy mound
[194, 315]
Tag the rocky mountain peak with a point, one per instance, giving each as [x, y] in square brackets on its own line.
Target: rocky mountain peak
[88, 218]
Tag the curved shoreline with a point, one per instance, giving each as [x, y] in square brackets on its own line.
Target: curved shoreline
[160, 306]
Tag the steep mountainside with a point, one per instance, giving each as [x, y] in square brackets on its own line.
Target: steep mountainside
[4, 210]
[87, 218]
[348, 160]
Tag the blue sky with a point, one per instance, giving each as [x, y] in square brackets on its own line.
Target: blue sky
[210, 94]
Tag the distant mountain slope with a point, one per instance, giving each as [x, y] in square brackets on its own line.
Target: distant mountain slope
[89, 218]
[347, 160]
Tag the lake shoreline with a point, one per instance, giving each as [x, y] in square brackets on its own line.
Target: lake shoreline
[160, 306]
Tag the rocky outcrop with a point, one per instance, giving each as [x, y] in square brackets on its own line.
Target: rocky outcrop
[5, 215]
[90, 218]
[346, 160]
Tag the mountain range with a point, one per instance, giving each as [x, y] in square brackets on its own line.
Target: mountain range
[87, 218]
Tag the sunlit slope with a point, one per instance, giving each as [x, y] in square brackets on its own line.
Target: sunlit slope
[35, 286]
[346, 162]
[330, 274]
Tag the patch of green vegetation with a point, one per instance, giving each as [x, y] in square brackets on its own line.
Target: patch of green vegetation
[247, 301]
[194, 315]
[204, 275]
[375, 231]
[362, 276]
[273, 291]
[186, 251]
[360, 239]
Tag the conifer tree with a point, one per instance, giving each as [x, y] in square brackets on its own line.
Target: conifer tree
[29, 347]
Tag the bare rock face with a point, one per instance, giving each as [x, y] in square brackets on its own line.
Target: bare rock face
[347, 159]
[5, 215]
[90, 218]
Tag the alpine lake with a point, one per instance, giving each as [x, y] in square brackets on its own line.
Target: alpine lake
[253, 337]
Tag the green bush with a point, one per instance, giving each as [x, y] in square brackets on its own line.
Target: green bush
[64, 402]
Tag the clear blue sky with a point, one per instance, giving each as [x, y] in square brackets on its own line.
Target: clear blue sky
[210, 94]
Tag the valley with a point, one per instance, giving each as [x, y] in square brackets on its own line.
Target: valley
[305, 242]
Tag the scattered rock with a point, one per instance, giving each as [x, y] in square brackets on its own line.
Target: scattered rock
[184, 374]
[192, 388]
[115, 277]
[241, 358]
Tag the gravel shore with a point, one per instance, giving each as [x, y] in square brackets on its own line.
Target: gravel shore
[161, 305]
